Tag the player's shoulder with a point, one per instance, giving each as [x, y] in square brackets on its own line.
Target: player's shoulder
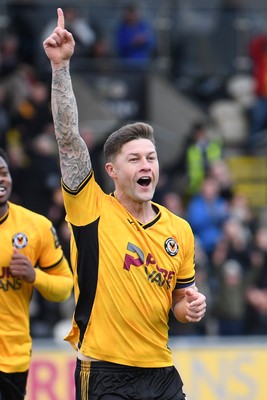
[31, 215]
[176, 219]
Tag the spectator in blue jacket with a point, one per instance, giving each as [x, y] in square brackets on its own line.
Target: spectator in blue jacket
[134, 37]
[206, 212]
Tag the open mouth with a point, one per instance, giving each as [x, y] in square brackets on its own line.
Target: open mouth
[144, 181]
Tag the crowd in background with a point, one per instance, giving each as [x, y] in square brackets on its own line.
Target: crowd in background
[231, 239]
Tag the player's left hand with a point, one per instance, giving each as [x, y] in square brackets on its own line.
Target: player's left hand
[195, 305]
[21, 266]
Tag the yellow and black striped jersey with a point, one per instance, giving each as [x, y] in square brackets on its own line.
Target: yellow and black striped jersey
[124, 276]
[34, 236]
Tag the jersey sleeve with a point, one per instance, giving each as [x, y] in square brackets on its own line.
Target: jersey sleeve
[55, 284]
[83, 204]
[186, 275]
[53, 273]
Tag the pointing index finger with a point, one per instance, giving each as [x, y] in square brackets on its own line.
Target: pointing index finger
[60, 18]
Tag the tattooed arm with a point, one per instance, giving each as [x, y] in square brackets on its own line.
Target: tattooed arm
[74, 157]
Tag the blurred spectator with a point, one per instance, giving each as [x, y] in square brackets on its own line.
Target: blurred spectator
[200, 152]
[135, 40]
[18, 165]
[43, 174]
[258, 54]
[9, 56]
[229, 271]
[36, 172]
[25, 24]
[174, 202]
[229, 298]
[4, 117]
[233, 245]
[206, 212]
[218, 169]
[256, 294]
[241, 210]
[262, 216]
[17, 86]
[33, 113]
[237, 236]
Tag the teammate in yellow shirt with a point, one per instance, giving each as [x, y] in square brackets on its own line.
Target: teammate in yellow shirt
[133, 260]
[30, 257]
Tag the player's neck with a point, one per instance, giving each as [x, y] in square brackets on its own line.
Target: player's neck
[3, 209]
[142, 212]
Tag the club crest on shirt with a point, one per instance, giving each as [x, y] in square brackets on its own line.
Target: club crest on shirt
[171, 246]
[19, 240]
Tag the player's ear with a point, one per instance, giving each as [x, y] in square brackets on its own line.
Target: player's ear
[110, 170]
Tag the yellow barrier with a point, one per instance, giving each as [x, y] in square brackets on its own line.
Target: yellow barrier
[219, 371]
[250, 178]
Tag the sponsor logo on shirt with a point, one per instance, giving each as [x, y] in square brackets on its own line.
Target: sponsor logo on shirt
[7, 281]
[155, 274]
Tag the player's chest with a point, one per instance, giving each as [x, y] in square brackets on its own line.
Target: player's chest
[16, 235]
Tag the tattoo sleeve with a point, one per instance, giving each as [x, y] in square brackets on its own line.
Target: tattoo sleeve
[74, 156]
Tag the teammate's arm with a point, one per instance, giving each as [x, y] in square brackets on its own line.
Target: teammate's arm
[55, 283]
[75, 161]
[188, 305]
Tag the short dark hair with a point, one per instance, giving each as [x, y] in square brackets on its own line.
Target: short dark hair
[127, 133]
[4, 155]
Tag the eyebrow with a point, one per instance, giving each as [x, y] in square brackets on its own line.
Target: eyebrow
[137, 154]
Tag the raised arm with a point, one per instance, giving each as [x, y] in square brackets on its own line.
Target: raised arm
[74, 157]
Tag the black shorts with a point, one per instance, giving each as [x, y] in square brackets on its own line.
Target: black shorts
[13, 385]
[100, 380]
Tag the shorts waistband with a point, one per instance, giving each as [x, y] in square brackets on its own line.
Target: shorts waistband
[114, 366]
